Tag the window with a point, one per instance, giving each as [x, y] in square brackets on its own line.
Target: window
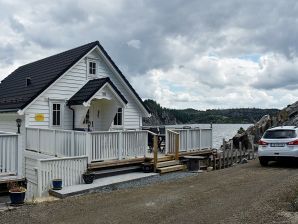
[56, 114]
[92, 68]
[118, 117]
[274, 134]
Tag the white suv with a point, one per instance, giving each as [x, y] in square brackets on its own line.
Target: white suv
[278, 143]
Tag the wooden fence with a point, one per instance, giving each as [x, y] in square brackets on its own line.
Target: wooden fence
[230, 155]
[97, 146]
[11, 154]
[69, 169]
[189, 139]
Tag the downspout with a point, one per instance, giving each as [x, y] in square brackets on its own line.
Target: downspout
[73, 117]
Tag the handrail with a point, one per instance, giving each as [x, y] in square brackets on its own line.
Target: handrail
[152, 133]
[174, 132]
[65, 158]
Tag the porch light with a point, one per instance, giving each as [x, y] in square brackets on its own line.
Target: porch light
[19, 123]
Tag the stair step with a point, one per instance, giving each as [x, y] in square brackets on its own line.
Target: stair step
[167, 163]
[171, 169]
[115, 171]
[165, 158]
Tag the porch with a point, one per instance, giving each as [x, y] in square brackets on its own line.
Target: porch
[41, 155]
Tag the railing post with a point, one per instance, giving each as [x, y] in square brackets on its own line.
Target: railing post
[89, 147]
[200, 139]
[39, 179]
[19, 155]
[155, 146]
[72, 144]
[224, 152]
[120, 145]
[55, 143]
[177, 146]
[188, 140]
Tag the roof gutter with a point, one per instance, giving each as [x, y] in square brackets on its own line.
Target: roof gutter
[8, 110]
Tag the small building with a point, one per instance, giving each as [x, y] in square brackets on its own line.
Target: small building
[75, 111]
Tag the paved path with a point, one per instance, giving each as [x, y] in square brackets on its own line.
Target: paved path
[243, 194]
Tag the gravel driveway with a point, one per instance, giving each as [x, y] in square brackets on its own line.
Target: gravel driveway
[246, 193]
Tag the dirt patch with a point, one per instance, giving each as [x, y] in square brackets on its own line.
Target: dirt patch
[246, 193]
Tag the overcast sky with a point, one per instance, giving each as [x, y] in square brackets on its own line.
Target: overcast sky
[194, 53]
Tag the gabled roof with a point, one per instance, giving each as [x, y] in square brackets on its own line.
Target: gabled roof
[90, 88]
[15, 95]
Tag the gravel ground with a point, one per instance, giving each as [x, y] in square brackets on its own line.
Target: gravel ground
[246, 193]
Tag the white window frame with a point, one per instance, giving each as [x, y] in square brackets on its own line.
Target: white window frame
[62, 105]
[122, 113]
[96, 67]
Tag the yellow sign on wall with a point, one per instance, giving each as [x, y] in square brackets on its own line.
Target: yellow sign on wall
[39, 117]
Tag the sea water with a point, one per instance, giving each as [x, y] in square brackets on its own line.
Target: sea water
[219, 131]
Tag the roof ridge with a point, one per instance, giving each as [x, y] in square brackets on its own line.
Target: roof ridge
[54, 55]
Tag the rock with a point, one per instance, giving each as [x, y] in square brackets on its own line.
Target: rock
[244, 160]
[209, 168]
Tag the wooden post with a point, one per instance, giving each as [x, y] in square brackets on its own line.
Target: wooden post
[240, 149]
[155, 149]
[177, 146]
[231, 154]
[224, 152]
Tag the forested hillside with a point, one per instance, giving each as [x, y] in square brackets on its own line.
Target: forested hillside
[161, 115]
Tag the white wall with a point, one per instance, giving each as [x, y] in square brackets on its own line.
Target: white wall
[69, 84]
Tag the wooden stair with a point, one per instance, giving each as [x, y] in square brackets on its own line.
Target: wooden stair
[169, 169]
[169, 166]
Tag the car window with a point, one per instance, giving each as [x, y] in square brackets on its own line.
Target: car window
[272, 134]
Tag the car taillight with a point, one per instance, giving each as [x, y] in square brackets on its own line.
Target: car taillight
[262, 143]
[293, 142]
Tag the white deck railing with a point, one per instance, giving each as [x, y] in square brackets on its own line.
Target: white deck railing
[118, 144]
[102, 145]
[11, 153]
[189, 139]
[69, 169]
[56, 142]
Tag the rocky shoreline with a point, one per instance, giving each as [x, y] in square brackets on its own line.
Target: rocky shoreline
[250, 136]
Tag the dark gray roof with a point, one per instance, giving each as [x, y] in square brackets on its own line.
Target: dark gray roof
[15, 95]
[89, 89]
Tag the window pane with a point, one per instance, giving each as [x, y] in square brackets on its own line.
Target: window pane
[58, 118]
[58, 106]
[54, 118]
[115, 120]
[120, 119]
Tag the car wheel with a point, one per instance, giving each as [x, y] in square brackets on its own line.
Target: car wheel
[263, 161]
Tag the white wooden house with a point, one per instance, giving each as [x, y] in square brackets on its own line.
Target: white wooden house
[66, 90]
[76, 107]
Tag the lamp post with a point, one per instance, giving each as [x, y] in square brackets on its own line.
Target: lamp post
[19, 123]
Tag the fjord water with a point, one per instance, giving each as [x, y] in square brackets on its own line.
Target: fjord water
[220, 131]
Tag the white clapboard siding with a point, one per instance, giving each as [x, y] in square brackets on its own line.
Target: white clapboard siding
[69, 84]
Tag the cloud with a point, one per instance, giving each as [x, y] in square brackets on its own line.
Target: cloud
[134, 43]
[201, 54]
